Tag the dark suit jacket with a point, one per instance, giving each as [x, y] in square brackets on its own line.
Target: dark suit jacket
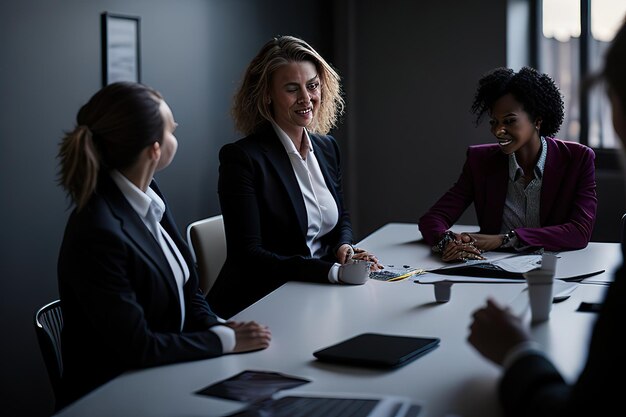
[265, 220]
[532, 386]
[568, 197]
[120, 302]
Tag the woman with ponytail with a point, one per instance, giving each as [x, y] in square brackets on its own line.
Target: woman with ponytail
[127, 283]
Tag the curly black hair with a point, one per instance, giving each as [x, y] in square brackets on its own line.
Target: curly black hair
[537, 93]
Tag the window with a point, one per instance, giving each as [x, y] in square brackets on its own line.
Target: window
[573, 37]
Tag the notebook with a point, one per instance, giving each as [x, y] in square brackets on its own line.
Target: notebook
[377, 350]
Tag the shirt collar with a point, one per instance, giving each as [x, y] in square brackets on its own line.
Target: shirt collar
[515, 171]
[138, 200]
[288, 144]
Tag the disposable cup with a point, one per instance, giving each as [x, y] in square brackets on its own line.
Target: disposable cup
[540, 288]
[443, 290]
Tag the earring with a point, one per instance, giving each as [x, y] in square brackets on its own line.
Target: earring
[269, 100]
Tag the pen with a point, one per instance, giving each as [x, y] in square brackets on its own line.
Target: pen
[408, 274]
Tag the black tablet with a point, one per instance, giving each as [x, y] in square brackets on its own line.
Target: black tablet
[377, 350]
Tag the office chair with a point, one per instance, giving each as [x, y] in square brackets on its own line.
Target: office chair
[207, 241]
[48, 326]
[622, 232]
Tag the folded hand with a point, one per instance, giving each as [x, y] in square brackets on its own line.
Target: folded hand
[462, 248]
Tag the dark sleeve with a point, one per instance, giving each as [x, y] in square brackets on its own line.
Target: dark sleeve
[447, 210]
[532, 386]
[110, 286]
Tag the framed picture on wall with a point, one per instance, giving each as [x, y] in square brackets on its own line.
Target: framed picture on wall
[120, 48]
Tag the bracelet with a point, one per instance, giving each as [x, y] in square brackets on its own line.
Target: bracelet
[447, 237]
[506, 239]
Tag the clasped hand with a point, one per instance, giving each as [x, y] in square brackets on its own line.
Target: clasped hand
[463, 247]
[470, 246]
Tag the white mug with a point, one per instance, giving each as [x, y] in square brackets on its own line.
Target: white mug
[355, 272]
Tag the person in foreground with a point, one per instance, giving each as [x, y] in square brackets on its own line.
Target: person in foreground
[127, 283]
[531, 384]
[280, 187]
[529, 189]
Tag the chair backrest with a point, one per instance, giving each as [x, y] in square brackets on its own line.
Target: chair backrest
[48, 326]
[207, 241]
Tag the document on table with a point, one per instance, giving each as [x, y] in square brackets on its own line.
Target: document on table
[503, 267]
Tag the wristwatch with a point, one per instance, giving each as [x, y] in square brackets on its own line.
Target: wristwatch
[506, 239]
[448, 236]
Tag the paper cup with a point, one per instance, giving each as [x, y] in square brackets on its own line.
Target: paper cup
[540, 298]
[540, 289]
[443, 290]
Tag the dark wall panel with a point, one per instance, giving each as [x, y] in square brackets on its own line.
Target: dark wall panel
[193, 51]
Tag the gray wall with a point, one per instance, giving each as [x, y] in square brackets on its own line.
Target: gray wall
[409, 67]
[415, 67]
[193, 51]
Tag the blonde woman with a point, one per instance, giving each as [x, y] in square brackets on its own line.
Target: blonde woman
[280, 187]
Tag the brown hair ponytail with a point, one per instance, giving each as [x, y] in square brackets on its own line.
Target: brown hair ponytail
[113, 127]
[80, 165]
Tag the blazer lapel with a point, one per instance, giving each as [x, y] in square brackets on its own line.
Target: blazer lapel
[496, 179]
[277, 157]
[553, 174]
[136, 231]
[324, 164]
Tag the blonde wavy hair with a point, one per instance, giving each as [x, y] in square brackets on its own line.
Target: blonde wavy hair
[250, 108]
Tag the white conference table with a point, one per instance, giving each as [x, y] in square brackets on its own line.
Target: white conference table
[451, 380]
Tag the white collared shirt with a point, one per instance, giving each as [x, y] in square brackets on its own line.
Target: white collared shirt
[150, 208]
[321, 207]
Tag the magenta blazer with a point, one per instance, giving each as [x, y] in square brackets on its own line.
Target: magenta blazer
[568, 197]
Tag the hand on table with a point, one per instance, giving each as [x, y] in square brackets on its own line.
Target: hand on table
[250, 335]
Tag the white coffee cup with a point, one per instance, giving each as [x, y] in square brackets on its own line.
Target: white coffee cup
[540, 288]
[355, 272]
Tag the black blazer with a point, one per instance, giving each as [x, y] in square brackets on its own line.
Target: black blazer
[120, 302]
[534, 387]
[265, 220]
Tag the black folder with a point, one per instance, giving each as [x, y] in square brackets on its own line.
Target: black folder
[377, 350]
[482, 270]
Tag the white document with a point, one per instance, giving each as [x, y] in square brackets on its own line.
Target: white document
[519, 263]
